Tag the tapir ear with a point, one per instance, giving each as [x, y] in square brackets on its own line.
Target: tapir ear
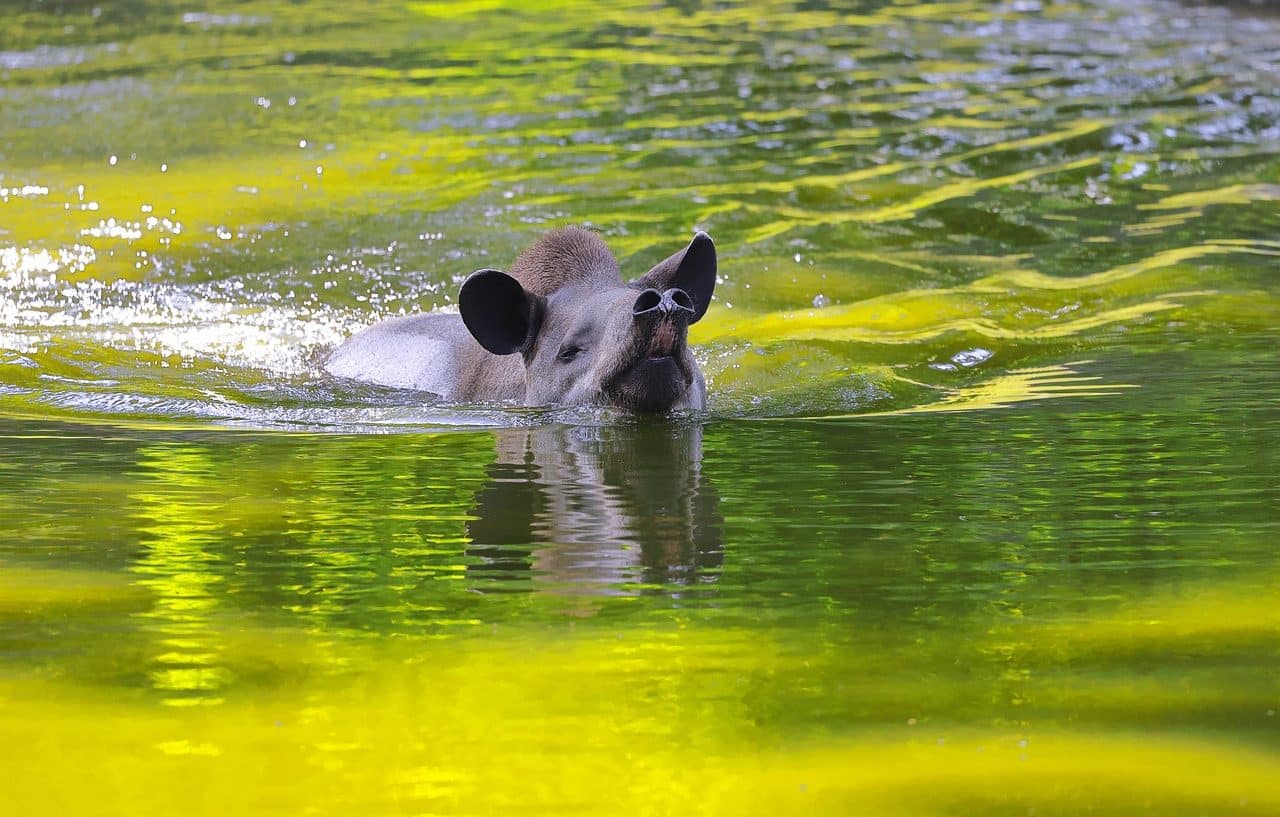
[693, 269]
[498, 313]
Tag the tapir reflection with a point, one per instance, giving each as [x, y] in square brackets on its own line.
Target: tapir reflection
[595, 509]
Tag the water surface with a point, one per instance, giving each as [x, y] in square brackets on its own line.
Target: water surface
[980, 519]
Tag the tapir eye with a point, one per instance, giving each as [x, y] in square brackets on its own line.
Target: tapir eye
[569, 352]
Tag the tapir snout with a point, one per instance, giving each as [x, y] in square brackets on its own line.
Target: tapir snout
[663, 321]
[665, 303]
[657, 369]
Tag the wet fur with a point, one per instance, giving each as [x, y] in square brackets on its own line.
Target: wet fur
[576, 282]
[565, 257]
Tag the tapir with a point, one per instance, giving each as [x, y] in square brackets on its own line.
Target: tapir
[561, 328]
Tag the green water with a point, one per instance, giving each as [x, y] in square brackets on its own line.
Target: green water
[981, 518]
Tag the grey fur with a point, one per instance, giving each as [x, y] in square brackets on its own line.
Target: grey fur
[563, 258]
[574, 297]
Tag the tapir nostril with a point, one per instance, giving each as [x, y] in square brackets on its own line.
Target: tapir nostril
[680, 298]
[648, 301]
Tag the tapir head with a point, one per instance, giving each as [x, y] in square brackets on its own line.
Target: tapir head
[586, 336]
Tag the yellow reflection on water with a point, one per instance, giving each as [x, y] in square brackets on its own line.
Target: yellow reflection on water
[963, 188]
[1012, 304]
[1179, 208]
[25, 590]
[180, 504]
[655, 723]
[1017, 386]
[676, 718]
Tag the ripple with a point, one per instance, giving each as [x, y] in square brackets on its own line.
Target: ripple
[45, 56]
[929, 177]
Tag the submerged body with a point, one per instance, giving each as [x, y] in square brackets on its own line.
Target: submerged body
[562, 328]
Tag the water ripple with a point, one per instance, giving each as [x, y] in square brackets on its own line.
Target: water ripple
[887, 184]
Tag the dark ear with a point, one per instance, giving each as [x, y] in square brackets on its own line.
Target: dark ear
[498, 313]
[693, 269]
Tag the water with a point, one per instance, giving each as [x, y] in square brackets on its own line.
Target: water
[980, 518]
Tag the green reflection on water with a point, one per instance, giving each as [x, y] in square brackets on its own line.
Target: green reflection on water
[922, 587]
[1056, 609]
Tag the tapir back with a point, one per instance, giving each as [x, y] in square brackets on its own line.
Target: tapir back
[432, 353]
[435, 353]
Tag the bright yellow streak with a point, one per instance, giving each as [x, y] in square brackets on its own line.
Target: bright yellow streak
[653, 720]
[1017, 386]
[652, 725]
[962, 188]
[996, 306]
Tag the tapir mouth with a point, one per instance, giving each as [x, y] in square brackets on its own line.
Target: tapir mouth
[665, 341]
[657, 374]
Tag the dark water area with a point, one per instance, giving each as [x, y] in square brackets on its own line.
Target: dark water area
[980, 519]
